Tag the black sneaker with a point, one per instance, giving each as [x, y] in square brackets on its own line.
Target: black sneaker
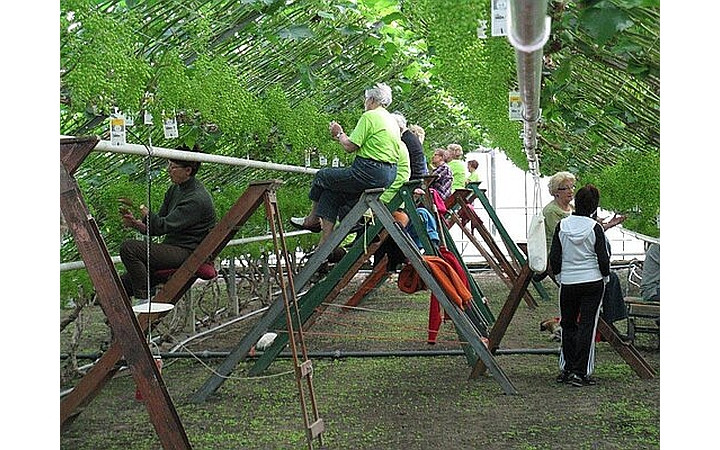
[563, 376]
[582, 380]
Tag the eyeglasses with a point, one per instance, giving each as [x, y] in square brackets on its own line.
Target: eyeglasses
[565, 188]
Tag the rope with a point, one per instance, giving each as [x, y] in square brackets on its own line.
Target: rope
[230, 377]
[147, 238]
[148, 200]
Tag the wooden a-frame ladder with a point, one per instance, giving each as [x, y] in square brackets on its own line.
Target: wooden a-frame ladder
[128, 331]
[315, 299]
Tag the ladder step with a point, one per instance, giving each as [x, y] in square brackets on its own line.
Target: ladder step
[305, 368]
[316, 428]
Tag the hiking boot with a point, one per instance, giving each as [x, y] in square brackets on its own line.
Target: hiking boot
[582, 380]
[336, 255]
[563, 376]
[300, 224]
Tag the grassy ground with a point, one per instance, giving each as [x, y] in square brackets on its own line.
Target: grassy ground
[390, 402]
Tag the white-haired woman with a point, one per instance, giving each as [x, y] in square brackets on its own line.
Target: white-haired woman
[418, 164]
[376, 143]
[562, 189]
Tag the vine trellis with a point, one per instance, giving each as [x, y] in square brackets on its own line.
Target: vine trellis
[261, 79]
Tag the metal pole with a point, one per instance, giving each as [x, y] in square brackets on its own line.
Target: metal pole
[528, 32]
[232, 287]
[337, 354]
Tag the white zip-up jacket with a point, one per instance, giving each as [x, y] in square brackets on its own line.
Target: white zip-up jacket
[579, 252]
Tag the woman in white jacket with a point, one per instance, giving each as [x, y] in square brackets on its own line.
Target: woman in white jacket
[579, 259]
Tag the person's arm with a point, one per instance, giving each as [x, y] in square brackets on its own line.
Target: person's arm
[601, 249]
[339, 135]
[129, 220]
[616, 220]
[556, 252]
[346, 143]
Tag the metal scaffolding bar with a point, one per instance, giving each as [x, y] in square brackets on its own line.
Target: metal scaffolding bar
[528, 32]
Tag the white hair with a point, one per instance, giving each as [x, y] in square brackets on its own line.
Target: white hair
[381, 93]
[400, 119]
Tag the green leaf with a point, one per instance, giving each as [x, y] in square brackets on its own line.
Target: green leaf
[296, 32]
[563, 72]
[392, 17]
[380, 60]
[603, 23]
[411, 70]
[380, 5]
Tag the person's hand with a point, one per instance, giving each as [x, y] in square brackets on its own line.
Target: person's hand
[335, 129]
[129, 220]
[616, 220]
[144, 210]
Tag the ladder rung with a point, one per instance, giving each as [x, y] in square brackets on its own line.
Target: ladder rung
[316, 428]
[306, 368]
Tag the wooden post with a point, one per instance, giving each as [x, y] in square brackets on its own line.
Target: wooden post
[116, 304]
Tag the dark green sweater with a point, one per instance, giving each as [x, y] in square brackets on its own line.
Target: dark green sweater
[186, 215]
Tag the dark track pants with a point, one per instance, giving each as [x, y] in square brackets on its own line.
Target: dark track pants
[133, 254]
[578, 333]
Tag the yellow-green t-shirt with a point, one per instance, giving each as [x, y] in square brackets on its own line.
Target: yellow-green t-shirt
[458, 171]
[474, 176]
[403, 175]
[378, 136]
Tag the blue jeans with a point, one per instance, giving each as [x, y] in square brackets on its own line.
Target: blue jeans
[336, 188]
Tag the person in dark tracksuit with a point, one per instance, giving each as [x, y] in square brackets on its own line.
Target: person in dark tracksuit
[579, 258]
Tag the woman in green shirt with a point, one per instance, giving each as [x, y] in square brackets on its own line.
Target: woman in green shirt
[376, 143]
[456, 166]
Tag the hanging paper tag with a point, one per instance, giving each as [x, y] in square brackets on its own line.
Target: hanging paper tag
[336, 162]
[117, 131]
[147, 118]
[323, 161]
[481, 30]
[515, 106]
[129, 119]
[499, 18]
[170, 128]
[307, 158]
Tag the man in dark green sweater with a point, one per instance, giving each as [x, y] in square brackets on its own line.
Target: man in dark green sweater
[186, 216]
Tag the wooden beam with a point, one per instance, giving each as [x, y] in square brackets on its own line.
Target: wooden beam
[116, 306]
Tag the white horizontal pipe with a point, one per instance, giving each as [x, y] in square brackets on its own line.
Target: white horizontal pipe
[167, 153]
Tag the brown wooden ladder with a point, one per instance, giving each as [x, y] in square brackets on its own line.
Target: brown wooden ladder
[128, 331]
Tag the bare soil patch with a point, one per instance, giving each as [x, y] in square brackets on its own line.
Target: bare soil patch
[388, 402]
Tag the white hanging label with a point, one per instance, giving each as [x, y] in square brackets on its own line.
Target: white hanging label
[117, 131]
[323, 161]
[336, 162]
[147, 118]
[481, 30]
[515, 106]
[170, 128]
[129, 120]
[499, 17]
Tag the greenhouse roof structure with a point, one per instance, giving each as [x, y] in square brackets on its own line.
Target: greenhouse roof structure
[261, 79]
